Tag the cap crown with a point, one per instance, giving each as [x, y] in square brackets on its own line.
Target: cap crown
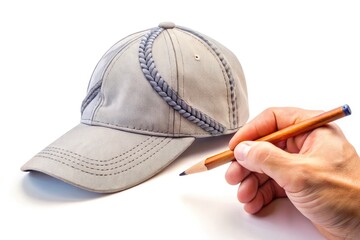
[167, 81]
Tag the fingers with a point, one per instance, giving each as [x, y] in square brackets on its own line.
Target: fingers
[236, 173]
[249, 186]
[256, 190]
[264, 195]
[263, 157]
[268, 122]
[263, 124]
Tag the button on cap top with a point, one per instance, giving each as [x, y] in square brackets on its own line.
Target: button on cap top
[167, 25]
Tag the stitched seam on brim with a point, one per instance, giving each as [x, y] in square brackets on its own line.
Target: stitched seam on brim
[106, 174]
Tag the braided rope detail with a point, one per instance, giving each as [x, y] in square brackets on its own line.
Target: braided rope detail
[227, 69]
[166, 92]
[91, 95]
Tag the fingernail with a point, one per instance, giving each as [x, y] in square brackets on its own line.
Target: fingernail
[241, 151]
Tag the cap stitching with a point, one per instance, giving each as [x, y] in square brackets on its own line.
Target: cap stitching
[146, 130]
[227, 69]
[180, 78]
[87, 164]
[171, 114]
[218, 60]
[110, 174]
[68, 152]
[166, 92]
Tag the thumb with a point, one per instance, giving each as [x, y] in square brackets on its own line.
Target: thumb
[264, 157]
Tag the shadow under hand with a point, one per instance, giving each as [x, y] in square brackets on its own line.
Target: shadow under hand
[279, 217]
[42, 187]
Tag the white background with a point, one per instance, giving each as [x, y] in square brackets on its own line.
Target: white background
[294, 53]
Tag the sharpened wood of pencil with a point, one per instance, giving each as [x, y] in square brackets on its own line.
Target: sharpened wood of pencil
[283, 134]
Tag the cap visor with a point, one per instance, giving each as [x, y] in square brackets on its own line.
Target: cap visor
[106, 160]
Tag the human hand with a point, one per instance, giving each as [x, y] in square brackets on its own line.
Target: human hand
[319, 171]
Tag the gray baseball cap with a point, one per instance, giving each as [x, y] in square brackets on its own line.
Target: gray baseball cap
[150, 96]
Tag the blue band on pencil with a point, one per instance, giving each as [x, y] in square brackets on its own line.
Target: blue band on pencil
[346, 109]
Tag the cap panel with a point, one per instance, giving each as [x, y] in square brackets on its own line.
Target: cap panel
[128, 100]
[100, 68]
[93, 99]
[205, 84]
[165, 50]
[164, 57]
[240, 87]
[179, 87]
[168, 94]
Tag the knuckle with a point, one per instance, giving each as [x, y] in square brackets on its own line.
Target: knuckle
[261, 152]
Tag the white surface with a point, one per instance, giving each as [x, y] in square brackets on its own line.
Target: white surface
[304, 54]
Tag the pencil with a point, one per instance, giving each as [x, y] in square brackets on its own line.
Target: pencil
[283, 134]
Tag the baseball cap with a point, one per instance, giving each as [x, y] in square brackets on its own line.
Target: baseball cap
[150, 96]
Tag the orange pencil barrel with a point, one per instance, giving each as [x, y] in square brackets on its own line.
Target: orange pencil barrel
[219, 159]
[283, 134]
[307, 125]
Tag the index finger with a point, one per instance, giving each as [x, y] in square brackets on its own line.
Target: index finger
[269, 121]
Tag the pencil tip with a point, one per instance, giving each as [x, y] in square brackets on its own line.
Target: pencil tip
[182, 174]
